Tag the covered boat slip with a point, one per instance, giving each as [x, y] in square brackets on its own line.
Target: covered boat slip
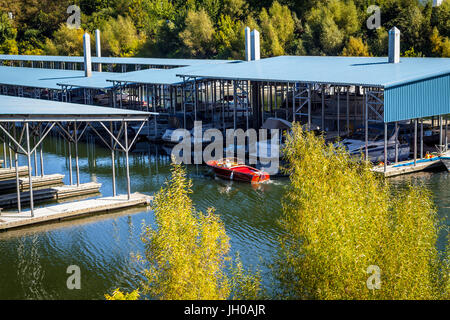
[342, 94]
[25, 123]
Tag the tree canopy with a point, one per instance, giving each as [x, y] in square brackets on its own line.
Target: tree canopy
[214, 28]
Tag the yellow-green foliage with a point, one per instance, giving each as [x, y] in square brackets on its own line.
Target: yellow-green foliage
[340, 218]
[119, 295]
[186, 252]
[356, 47]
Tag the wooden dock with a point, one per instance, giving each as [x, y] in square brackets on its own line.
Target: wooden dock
[7, 186]
[10, 173]
[48, 194]
[10, 220]
[408, 166]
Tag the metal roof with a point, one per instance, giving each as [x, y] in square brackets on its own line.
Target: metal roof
[156, 76]
[22, 109]
[115, 60]
[364, 71]
[50, 78]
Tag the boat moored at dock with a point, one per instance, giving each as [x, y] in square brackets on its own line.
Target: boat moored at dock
[232, 169]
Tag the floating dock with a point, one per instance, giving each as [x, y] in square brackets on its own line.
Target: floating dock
[408, 166]
[38, 182]
[10, 173]
[48, 194]
[10, 220]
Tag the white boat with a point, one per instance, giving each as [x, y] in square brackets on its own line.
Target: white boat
[445, 159]
[355, 144]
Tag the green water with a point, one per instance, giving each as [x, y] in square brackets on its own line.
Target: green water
[34, 260]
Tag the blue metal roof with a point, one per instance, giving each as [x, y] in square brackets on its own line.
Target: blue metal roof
[156, 76]
[14, 107]
[50, 78]
[115, 60]
[364, 71]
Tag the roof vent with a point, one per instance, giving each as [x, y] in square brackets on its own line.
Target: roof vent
[394, 45]
[255, 45]
[87, 55]
[247, 44]
[98, 49]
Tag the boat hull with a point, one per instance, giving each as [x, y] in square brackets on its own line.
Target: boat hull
[241, 173]
[446, 161]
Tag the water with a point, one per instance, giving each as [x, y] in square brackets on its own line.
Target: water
[34, 260]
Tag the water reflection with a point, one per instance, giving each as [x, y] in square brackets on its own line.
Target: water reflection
[34, 260]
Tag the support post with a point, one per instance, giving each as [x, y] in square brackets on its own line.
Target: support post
[113, 161]
[30, 180]
[415, 142]
[127, 161]
[77, 167]
[16, 158]
[385, 146]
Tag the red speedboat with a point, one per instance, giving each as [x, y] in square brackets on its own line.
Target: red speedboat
[231, 169]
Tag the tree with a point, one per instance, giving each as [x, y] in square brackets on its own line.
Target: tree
[8, 33]
[356, 47]
[229, 38]
[120, 38]
[277, 29]
[187, 252]
[440, 46]
[328, 25]
[66, 42]
[345, 227]
[198, 36]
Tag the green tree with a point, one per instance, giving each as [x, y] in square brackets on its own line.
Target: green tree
[440, 46]
[198, 36]
[120, 38]
[328, 25]
[356, 47]
[340, 218]
[277, 29]
[8, 33]
[187, 252]
[229, 38]
[66, 42]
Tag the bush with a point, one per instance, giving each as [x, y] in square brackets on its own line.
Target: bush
[340, 218]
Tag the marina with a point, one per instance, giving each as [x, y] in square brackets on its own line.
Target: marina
[86, 143]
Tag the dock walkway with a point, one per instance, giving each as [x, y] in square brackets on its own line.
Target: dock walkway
[10, 173]
[48, 194]
[10, 220]
[408, 166]
[38, 182]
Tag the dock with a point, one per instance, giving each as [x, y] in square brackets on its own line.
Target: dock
[49, 194]
[10, 173]
[7, 186]
[10, 220]
[408, 166]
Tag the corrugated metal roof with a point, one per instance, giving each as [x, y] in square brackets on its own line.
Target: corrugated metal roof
[419, 99]
[365, 71]
[156, 76]
[49, 78]
[115, 60]
[35, 108]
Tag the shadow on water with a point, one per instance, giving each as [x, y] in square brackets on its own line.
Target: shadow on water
[34, 260]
